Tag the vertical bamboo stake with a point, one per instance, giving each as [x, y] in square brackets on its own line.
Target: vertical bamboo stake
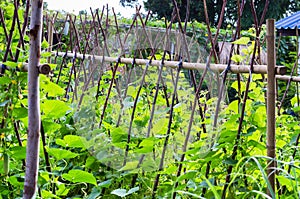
[33, 138]
[50, 36]
[271, 142]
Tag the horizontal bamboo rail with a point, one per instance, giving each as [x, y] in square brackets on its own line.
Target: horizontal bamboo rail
[259, 69]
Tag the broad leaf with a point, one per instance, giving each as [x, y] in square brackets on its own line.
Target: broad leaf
[76, 176]
[119, 135]
[4, 80]
[242, 41]
[61, 153]
[237, 58]
[130, 166]
[54, 108]
[50, 88]
[75, 141]
[18, 152]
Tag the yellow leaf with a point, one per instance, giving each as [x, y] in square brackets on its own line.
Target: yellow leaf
[242, 41]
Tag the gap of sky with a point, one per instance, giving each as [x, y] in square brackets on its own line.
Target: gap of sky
[74, 6]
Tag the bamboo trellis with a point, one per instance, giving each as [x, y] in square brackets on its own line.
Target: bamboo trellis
[96, 46]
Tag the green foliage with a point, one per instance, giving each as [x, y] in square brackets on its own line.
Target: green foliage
[79, 159]
[277, 9]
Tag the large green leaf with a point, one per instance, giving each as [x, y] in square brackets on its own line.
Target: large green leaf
[79, 176]
[61, 153]
[50, 88]
[119, 135]
[73, 141]
[286, 181]
[11, 64]
[260, 116]
[146, 145]
[237, 58]
[54, 108]
[4, 80]
[18, 152]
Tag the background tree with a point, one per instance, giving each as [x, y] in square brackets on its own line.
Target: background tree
[127, 2]
[163, 8]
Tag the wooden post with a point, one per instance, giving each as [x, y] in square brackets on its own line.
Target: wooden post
[33, 138]
[271, 120]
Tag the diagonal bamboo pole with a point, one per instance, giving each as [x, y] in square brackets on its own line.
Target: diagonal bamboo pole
[271, 97]
[33, 139]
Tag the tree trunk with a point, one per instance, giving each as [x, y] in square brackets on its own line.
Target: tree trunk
[33, 139]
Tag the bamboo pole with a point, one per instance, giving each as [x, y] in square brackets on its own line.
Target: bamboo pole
[271, 97]
[280, 70]
[50, 37]
[260, 69]
[33, 138]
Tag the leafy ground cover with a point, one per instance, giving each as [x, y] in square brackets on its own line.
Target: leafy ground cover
[140, 131]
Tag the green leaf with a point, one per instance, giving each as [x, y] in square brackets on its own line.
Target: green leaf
[142, 121]
[90, 161]
[62, 190]
[242, 41]
[284, 181]
[119, 135]
[4, 80]
[10, 64]
[46, 54]
[54, 109]
[94, 194]
[230, 161]
[122, 192]
[237, 58]
[61, 153]
[14, 180]
[52, 89]
[105, 183]
[134, 189]
[146, 146]
[188, 175]
[160, 127]
[18, 152]
[296, 109]
[130, 166]
[45, 44]
[260, 116]
[236, 87]
[75, 141]
[233, 106]
[20, 112]
[48, 195]
[131, 91]
[76, 176]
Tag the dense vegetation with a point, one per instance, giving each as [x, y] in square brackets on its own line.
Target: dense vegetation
[95, 137]
[164, 8]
